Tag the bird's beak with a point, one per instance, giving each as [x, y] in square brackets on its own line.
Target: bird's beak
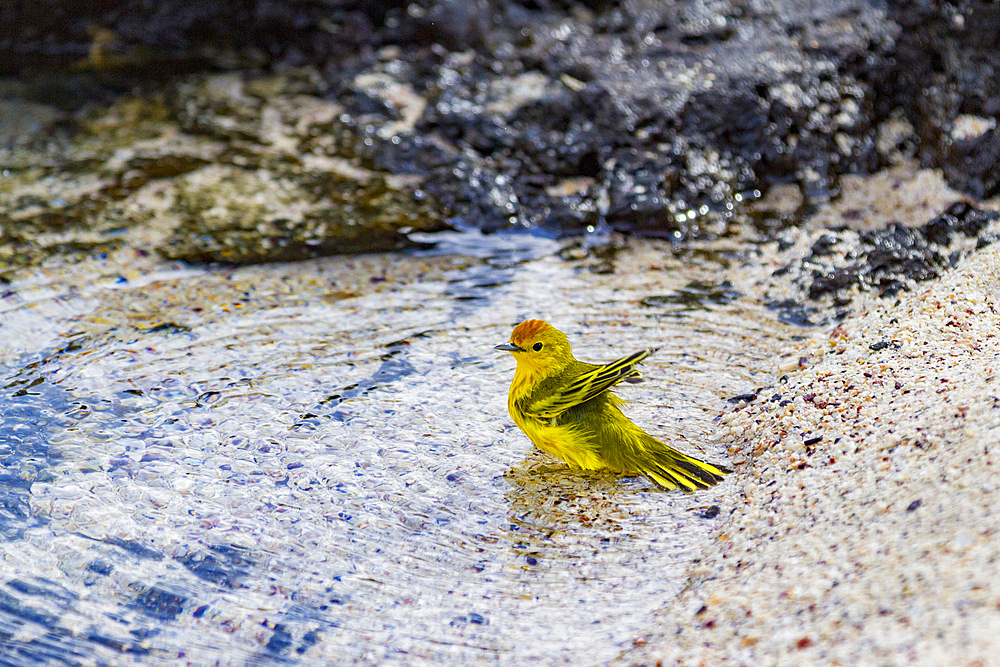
[509, 347]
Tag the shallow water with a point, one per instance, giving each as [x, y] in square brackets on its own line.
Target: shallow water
[313, 461]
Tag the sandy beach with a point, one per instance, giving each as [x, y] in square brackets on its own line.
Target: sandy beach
[868, 529]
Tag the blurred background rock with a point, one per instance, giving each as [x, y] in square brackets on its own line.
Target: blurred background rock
[654, 118]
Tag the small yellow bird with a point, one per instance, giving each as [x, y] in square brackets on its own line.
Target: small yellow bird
[565, 407]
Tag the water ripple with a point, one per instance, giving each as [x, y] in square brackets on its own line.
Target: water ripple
[257, 466]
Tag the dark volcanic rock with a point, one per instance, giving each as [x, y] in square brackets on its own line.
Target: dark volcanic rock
[973, 164]
[889, 259]
[947, 76]
[648, 116]
[885, 261]
[643, 116]
[176, 36]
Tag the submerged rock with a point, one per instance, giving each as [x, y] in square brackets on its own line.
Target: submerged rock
[244, 216]
[234, 169]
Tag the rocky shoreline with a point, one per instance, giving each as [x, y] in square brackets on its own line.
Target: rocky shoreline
[640, 117]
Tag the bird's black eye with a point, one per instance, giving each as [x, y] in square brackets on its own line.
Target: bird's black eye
[536, 347]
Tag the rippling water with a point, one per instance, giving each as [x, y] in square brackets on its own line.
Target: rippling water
[314, 462]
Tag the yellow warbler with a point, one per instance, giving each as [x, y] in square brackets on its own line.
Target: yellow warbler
[565, 407]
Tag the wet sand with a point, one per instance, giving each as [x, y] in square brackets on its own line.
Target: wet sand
[869, 528]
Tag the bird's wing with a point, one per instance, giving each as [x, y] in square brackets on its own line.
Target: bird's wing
[588, 385]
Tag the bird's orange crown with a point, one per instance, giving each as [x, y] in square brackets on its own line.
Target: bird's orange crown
[529, 330]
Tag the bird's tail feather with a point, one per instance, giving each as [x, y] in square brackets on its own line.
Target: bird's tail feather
[671, 469]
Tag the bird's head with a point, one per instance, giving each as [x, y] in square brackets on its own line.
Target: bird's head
[540, 346]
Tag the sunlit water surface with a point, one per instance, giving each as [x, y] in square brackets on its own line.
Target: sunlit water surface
[314, 461]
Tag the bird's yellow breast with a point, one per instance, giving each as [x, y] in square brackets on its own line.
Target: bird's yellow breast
[563, 441]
